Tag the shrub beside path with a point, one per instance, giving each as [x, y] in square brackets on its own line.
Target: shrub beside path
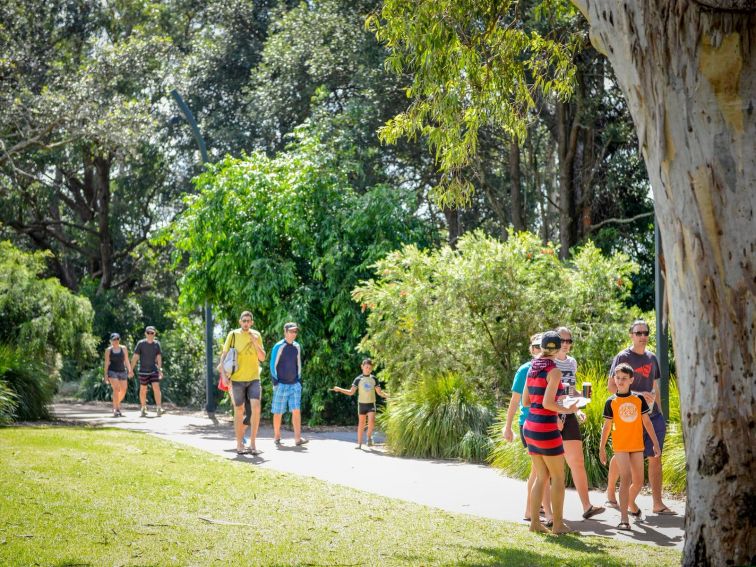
[330, 456]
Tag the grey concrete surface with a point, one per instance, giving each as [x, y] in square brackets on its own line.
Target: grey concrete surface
[331, 456]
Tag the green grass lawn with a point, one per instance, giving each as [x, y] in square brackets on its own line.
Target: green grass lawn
[85, 496]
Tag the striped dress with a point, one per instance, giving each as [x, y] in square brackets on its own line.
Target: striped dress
[541, 431]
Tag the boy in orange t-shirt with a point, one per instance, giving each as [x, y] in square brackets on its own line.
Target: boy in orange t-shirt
[628, 413]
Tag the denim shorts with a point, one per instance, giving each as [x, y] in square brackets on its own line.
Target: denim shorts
[242, 390]
[286, 395]
[118, 375]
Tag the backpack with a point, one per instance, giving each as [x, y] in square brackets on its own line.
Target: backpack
[231, 362]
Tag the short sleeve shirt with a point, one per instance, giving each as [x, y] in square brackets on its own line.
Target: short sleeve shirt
[365, 388]
[147, 352]
[645, 371]
[249, 365]
[518, 386]
[625, 411]
[568, 366]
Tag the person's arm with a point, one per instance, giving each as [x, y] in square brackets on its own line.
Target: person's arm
[656, 396]
[612, 385]
[159, 364]
[553, 379]
[604, 438]
[257, 343]
[514, 405]
[221, 370]
[525, 397]
[349, 392]
[381, 393]
[273, 355]
[106, 365]
[649, 427]
[134, 358]
[126, 361]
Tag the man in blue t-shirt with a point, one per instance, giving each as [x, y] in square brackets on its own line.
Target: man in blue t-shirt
[286, 373]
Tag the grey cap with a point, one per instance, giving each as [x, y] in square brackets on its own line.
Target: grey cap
[114, 336]
[291, 327]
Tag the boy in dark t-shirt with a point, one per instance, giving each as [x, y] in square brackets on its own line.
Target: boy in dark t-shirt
[367, 386]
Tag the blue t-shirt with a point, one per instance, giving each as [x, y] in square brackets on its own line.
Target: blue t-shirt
[518, 386]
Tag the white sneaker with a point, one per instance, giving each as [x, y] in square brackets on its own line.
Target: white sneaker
[159, 412]
[143, 413]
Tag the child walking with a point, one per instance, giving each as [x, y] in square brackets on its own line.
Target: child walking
[626, 415]
[368, 387]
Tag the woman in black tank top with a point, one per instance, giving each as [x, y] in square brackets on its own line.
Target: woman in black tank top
[117, 371]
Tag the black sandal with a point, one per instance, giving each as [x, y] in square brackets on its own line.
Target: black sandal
[624, 526]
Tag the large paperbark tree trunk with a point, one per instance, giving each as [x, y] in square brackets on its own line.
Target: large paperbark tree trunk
[688, 71]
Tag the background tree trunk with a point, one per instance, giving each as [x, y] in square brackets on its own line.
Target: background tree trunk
[515, 178]
[689, 74]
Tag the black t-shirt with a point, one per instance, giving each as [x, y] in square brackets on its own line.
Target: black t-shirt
[147, 356]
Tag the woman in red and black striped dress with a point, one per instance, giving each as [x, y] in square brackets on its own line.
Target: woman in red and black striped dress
[541, 432]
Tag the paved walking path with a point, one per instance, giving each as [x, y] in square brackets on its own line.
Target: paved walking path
[331, 456]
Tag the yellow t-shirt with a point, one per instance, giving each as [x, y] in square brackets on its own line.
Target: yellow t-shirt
[249, 364]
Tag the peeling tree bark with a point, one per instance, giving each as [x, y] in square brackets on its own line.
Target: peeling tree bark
[688, 71]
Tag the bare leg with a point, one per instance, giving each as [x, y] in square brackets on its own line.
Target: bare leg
[623, 464]
[636, 471]
[612, 481]
[143, 395]
[296, 423]
[555, 466]
[239, 427]
[536, 494]
[545, 500]
[277, 426]
[156, 393]
[255, 422]
[122, 392]
[360, 428]
[370, 426]
[573, 454]
[655, 480]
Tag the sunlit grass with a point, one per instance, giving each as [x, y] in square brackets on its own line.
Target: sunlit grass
[84, 496]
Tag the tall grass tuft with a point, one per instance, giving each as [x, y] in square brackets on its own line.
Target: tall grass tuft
[8, 403]
[438, 417]
[514, 461]
[32, 385]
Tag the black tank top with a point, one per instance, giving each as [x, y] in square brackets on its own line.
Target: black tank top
[116, 361]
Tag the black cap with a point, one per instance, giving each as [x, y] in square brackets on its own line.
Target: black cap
[551, 340]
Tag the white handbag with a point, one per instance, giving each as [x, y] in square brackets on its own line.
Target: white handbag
[231, 362]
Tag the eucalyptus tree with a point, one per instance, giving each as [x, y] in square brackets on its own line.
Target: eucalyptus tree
[687, 71]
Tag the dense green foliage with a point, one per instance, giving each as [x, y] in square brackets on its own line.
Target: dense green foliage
[438, 416]
[289, 238]
[471, 311]
[513, 459]
[8, 402]
[42, 320]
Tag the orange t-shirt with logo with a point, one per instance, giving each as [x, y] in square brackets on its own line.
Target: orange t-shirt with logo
[625, 411]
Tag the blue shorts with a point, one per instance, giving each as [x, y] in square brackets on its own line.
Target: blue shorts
[660, 428]
[286, 395]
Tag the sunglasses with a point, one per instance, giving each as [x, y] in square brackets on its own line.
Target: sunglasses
[150, 333]
[536, 346]
[246, 320]
[568, 341]
[641, 333]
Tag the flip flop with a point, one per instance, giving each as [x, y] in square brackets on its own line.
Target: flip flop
[624, 526]
[637, 515]
[665, 512]
[593, 511]
[241, 451]
[254, 452]
[612, 504]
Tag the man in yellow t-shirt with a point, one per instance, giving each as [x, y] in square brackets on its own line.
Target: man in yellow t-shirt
[245, 380]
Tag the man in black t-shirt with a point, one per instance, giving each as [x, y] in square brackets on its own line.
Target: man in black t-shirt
[150, 357]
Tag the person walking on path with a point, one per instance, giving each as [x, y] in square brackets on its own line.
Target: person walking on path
[286, 373]
[627, 414]
[571, 436]
[516, 401]
[117, 371]
[542, 389]
[646, 376]
[244, 382]
[150, 357]
[367, 387]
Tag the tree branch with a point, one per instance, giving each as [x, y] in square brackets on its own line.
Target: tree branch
[620, 221]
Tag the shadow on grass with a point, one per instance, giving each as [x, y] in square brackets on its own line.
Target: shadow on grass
[523, 557]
